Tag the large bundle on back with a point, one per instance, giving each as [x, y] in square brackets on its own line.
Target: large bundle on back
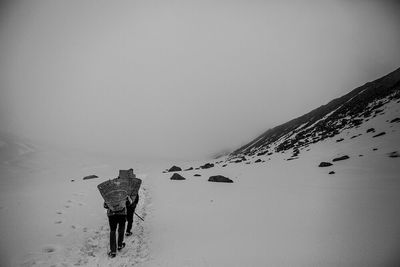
[114, 194]
[129, 181]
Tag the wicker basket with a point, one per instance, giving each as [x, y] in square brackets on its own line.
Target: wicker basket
[114, 194]
[131, 186]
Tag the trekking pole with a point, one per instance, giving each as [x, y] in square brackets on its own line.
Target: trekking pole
[139, 216]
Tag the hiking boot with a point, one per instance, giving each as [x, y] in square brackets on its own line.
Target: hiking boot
[112, 254]
[121, 247]
[128, 233]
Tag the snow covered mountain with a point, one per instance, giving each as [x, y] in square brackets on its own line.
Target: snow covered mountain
[349, 111]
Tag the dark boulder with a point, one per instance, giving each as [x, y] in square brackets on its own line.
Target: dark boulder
[331, 172]
[341, 158]
[174, 169]
[325, 164]
[379, 134]
[262, 153]
[177, 176]
[220, 179]
[395, 120]
[394, 154]
[90, 177]
[207, 166]
[189, 169]
[197, 175]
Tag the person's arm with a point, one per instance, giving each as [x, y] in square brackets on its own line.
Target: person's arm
[129, 199]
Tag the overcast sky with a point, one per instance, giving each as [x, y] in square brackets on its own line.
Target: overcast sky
[182, 79]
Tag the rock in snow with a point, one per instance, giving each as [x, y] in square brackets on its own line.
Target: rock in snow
[379, 134]
[341, 158]
[177, 176]
[90, 177]
[220, 179]
[325, 164]
[174, 169]
[207, 166]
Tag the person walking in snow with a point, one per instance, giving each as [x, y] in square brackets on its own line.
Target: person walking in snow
[130, 211]
[117, 219]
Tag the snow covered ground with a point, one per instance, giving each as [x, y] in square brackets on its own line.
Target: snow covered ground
[276, 213]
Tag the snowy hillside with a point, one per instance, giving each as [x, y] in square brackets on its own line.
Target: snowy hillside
[348, 111]
[282, 209]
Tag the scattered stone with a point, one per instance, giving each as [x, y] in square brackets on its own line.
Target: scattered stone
[361, 155]
[371, 130]
[341, 158]
[292, 158]
[220, 179]
[189, 169]
[247, 162]
[174, 169]
[177, 176]
[340, 140]
[257, 161]
[224, 165]
[374, 149]
[90, 177]
[379, 134]
[197, 175]
[325, 164]
[331, 172]
[72, 180]
[207, 166]
[395, 120]
[394, 154]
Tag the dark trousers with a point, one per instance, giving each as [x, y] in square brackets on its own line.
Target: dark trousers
[130, 210]
[114, 221]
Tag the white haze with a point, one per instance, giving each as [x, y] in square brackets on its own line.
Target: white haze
[182, 79]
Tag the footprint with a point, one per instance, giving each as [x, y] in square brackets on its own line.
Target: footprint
[73, 226]
[58, 222]
[49, 249]
[58, 212]
[80, 204]
[84, 229]
[66, 206]
[69, 201]
[59, 235]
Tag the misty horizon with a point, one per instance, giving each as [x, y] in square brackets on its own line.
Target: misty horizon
[182, 80]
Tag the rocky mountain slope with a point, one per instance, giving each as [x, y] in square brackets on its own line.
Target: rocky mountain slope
[349, 111]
